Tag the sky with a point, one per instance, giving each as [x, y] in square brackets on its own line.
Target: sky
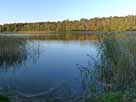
[58, 10]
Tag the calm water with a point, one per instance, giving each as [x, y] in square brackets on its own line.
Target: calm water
[35, 64]
[66, 65]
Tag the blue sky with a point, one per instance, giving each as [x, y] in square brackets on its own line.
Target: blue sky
[54, 10]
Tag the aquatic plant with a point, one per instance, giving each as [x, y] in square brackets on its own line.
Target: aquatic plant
[109, 77]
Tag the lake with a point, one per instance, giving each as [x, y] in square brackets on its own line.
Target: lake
[66, 65]
[33, 64]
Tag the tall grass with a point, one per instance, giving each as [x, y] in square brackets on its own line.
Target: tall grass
[118, 61]
[114, 71]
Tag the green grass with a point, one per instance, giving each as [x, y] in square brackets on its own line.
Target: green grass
[128, 95]
[4, 99]
[108, 97]
[117, 68]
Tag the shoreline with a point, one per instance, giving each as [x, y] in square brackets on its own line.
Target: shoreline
[68, 32]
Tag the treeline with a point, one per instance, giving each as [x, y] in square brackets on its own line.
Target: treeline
[127, 23]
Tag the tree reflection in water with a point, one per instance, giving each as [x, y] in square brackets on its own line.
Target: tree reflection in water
[13, 51]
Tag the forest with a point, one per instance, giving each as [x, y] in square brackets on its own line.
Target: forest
[115, 23]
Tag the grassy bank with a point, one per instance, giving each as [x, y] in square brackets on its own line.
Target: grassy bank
[118, 96]
[116, 72]
[4, 99]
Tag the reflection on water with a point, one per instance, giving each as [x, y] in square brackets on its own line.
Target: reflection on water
[44, 65]
[62, 37]
[66, 65]
[14, 51]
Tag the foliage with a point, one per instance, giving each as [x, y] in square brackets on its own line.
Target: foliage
[108, 97]
[118, 61]
[127, 23]
[116, 72]
[115, 96]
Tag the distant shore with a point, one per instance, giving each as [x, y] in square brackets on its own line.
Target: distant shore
[33, 32]
[116, 23]
[76, 32]
[69, 32]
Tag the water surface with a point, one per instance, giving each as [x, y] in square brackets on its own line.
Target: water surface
[38, 63]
